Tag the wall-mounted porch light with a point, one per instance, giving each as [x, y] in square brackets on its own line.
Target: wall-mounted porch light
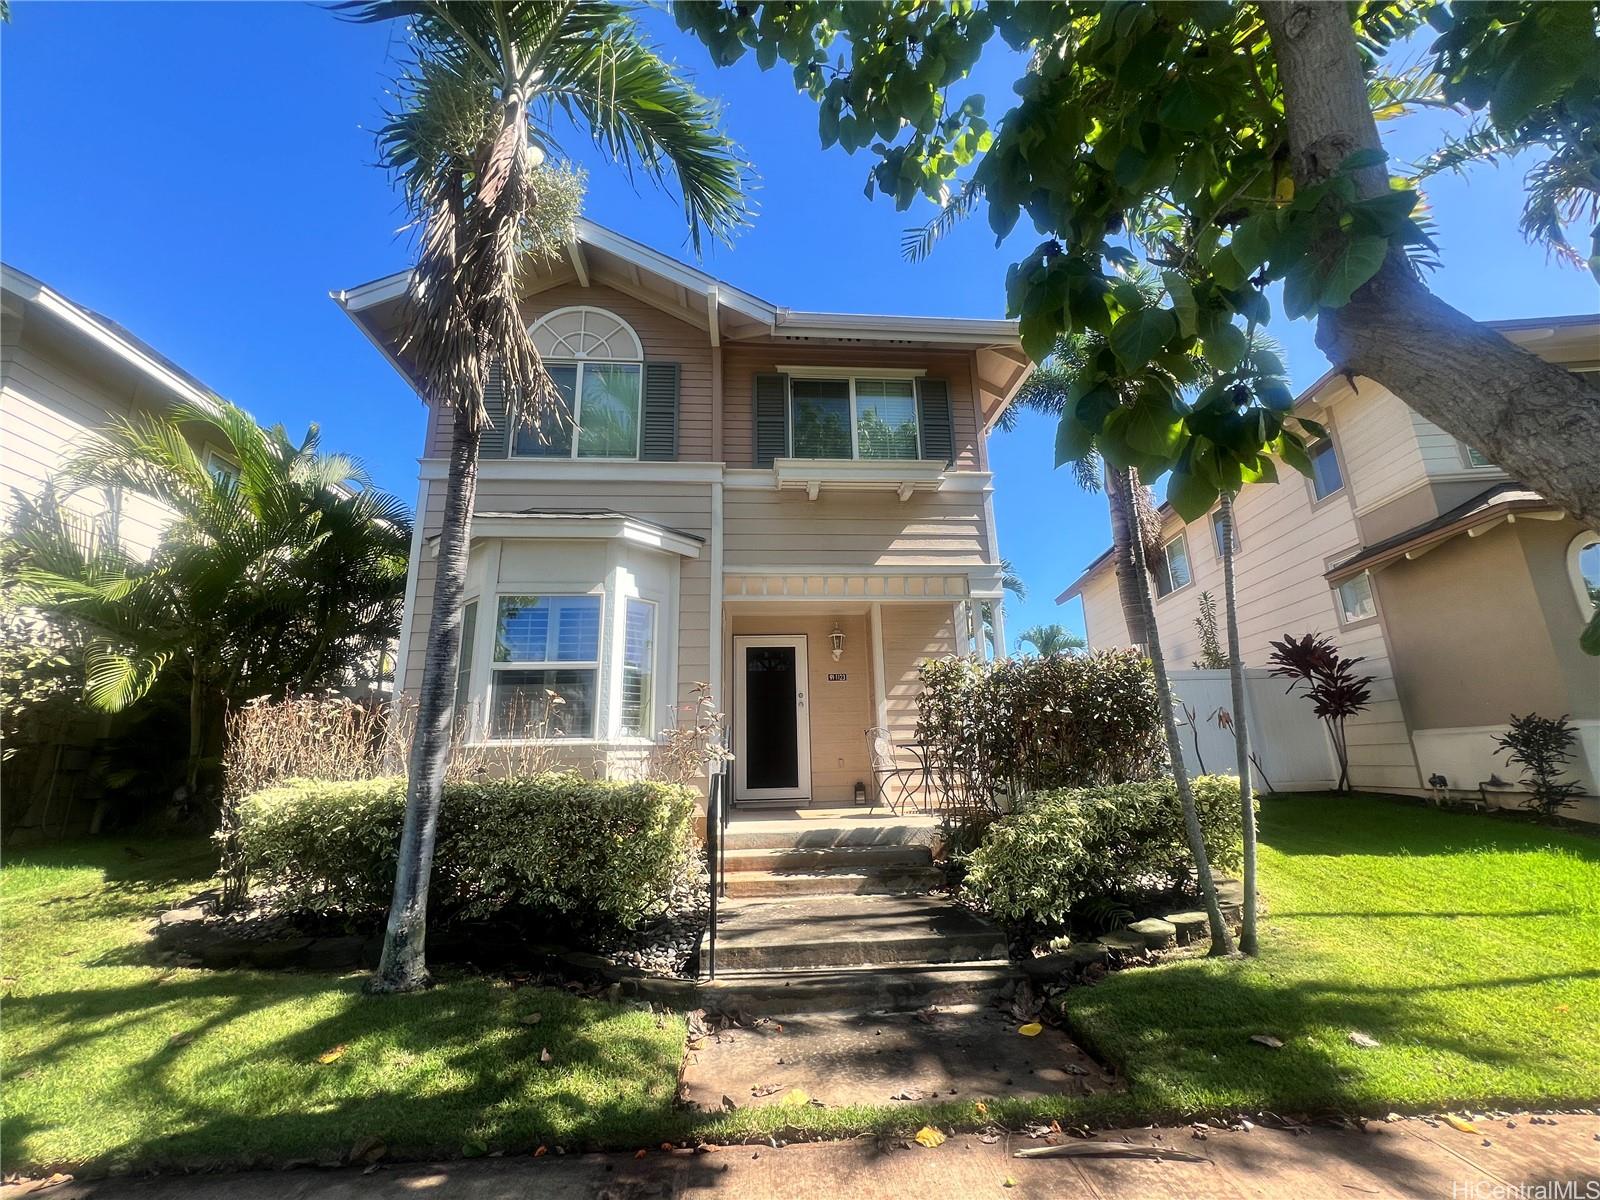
[837, 638]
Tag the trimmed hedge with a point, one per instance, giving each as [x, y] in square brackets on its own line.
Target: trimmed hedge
[1063, 847]
[599, 854]
[1029, 723]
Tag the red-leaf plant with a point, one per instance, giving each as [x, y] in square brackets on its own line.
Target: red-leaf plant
[1313, 664]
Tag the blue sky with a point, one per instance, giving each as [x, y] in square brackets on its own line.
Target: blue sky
[204, 173]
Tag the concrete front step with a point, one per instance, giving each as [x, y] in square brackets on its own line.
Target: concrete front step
[746, 833]
[816, 858]
[849, 931]
[903, 988]
[834, 881]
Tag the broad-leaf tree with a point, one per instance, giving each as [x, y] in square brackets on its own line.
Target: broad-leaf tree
[473, 120]
[1251, 127]
[284, 572]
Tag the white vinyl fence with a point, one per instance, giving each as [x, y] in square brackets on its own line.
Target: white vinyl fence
[1290, 745]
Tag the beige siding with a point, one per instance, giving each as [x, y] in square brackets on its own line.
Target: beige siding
[765, 526]
[47, 410]
[1377, 443]
[742, 363]
[912, 633]
[665, 339]
[681, 506]
[1285, 545]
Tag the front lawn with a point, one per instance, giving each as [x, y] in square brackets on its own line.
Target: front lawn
[1469, 946]
[112, 1059]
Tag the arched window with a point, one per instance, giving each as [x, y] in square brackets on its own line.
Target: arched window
[596, 361]
[1583, 565]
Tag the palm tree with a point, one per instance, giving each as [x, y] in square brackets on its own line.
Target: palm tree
[1051, 639]
[285, 571]
[1133, 513]
[471, 127]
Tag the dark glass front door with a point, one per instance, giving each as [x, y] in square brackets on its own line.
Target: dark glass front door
[771, 732]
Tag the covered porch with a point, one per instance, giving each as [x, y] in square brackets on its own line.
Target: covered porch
[813, 665]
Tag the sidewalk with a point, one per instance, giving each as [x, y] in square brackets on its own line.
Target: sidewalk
[1406, 1158]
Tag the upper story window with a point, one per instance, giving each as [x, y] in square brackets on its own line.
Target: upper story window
[1326, 475]
[1356, 602]
[221, 470]
[1474, 457]
[1583, 564]
[1172, 566]
[597, 363]
[854, 418]
[1216, 532]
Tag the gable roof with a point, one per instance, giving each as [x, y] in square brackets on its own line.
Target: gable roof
[125, 348]
[1488, 508]
[1519, 330]
[727, 313]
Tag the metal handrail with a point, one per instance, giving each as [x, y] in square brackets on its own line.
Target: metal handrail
[717, 815]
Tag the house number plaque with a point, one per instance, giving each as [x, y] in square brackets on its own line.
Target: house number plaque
[837, 676]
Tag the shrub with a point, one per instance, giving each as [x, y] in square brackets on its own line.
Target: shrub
[600, 855]
[1023, 724]
[1064, 847]
[1543, 747]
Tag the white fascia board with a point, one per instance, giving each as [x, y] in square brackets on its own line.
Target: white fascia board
[976, 331]
[64, 310]
[577, 527]
[379, 291]
[671, 269]
[579, 470]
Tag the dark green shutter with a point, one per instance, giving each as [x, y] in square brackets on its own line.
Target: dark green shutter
[496, 440]
[658, 440]
[772, 418]
[933, 414]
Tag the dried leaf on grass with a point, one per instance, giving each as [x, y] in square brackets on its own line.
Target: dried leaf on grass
[180, 1039]
[1267, 1040]
[1031, 1029]
[1365, 1040]
[795, 1096]
[532, 1018]
[545, 1056]
[930, 1137]
[333, 1055]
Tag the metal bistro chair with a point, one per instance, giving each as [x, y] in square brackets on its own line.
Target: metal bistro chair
[889, 766]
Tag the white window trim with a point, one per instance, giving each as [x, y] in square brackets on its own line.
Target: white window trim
[1181, 536]
[819, 376]
[534, 329]
[596, 665]
[1346, 621]
[578, 365]
[215, 458]
[1575, 571]
[1466, 459]
[652, 667]
[1338, 461]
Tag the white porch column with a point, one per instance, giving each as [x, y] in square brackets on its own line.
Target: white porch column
[999, 627]
[880, 682]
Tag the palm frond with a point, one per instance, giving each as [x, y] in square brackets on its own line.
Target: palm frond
[1393, 93]
[918, 241]
[114, 678]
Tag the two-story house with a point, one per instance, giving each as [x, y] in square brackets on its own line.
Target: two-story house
[792, 507]
[66, 372]
[1463, 591]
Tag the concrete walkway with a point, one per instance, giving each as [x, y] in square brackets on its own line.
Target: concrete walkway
[1408, 1158]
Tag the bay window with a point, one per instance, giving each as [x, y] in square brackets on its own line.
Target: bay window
[854, 418]
[638, 668]
[546, 667]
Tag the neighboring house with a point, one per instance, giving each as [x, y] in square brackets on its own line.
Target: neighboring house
[792, 507]
[1463, 591]
[66, 372]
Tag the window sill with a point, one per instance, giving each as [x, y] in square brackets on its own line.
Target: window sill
[903, 476]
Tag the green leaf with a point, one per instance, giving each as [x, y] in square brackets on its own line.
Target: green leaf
[1261, 470]
[1225, 347]
[1038, 329]
[1358, 260]
[1589, 641]
[1252, 241]
[1184, 306]
[1300, 292]
[1139, 336]
[1154, 429]
[1315, 428]
[1073, 439]
[1287, 447]
[1275, 394]
[1190, 496]
[1362, 159]
[1093, 406]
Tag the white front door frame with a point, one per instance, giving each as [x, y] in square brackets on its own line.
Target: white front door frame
[802, 713]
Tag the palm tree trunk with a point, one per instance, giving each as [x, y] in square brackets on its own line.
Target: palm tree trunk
[1221, 940]
[1124, 533]
[197, 728]
[404, 967]
[1241, 727]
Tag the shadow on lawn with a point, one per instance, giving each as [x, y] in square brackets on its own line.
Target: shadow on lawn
[429, 1074]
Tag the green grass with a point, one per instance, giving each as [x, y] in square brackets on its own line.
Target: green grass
[1469, 946]
[92, 1074]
